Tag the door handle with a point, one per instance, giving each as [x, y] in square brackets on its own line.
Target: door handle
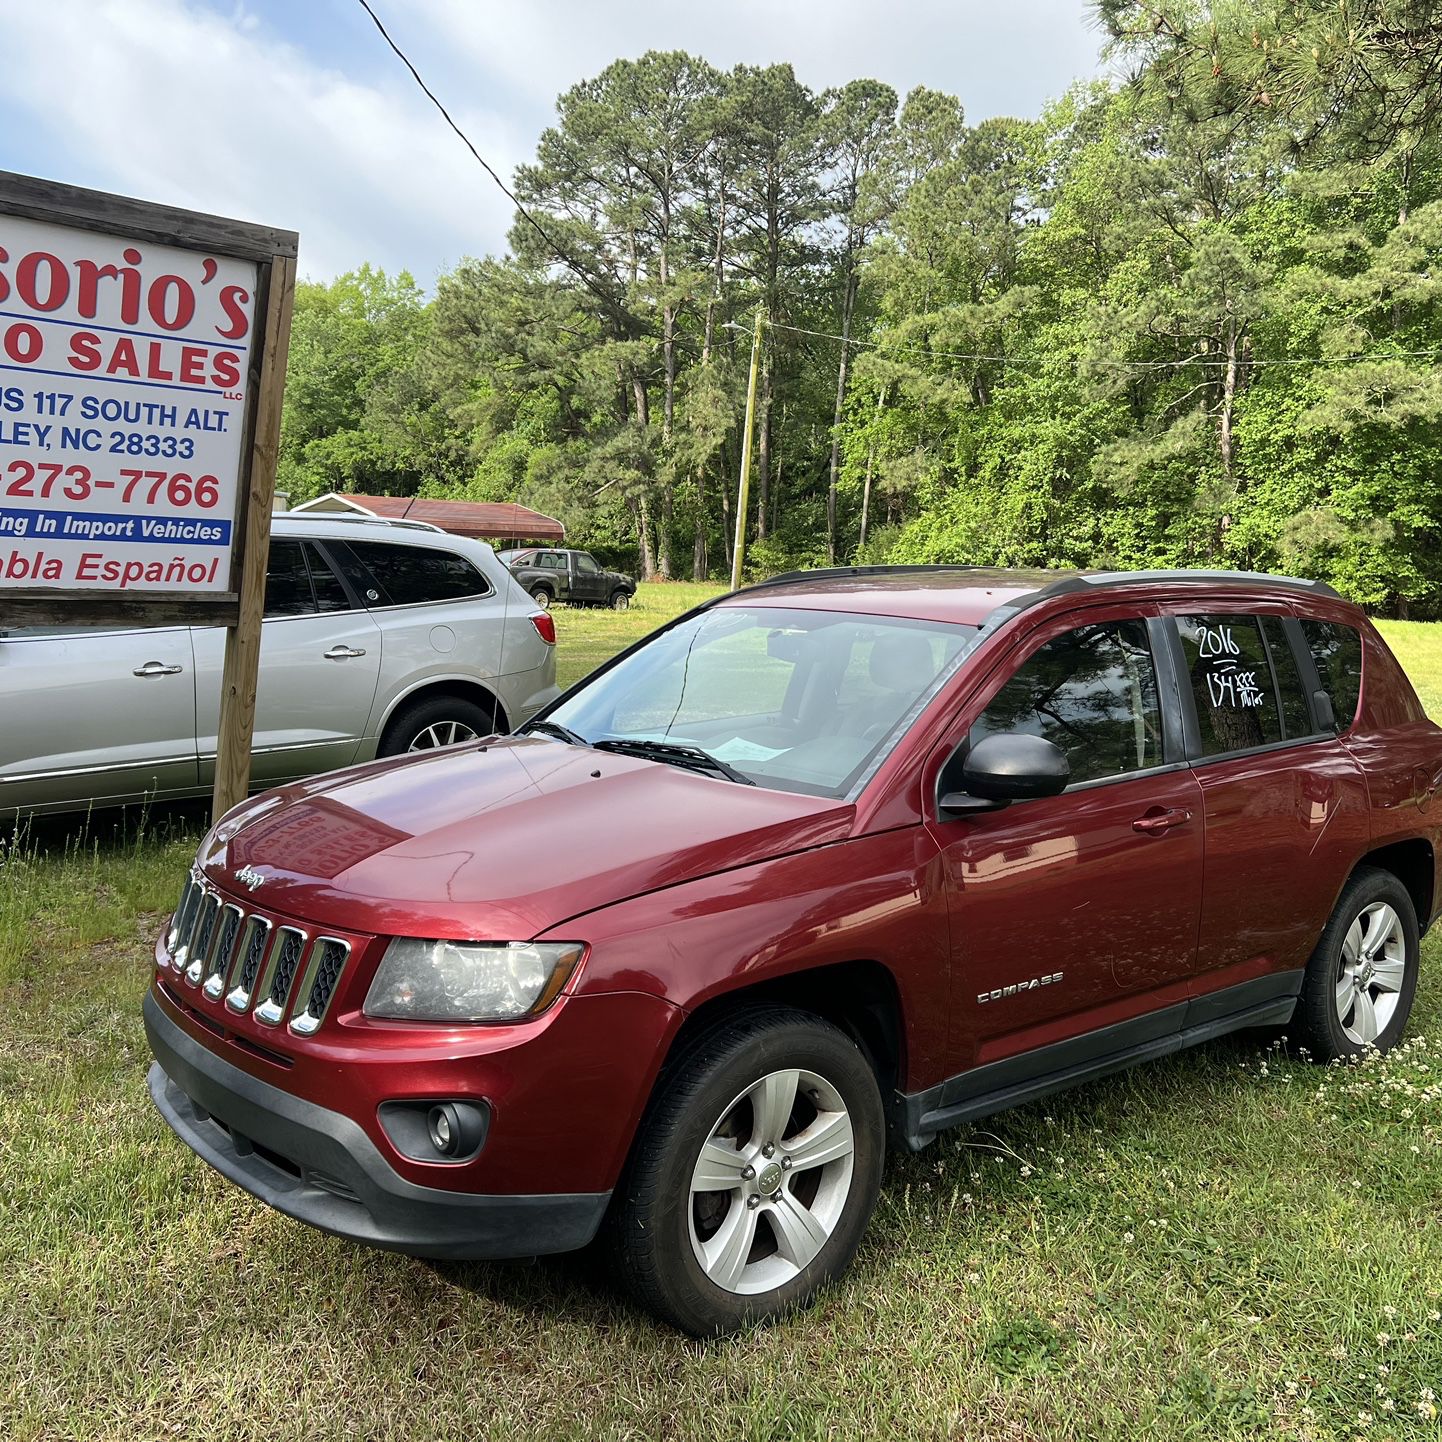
[157, 668]
[343, 653]
[1154, 823]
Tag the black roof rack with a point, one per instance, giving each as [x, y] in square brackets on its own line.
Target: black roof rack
[832, 573]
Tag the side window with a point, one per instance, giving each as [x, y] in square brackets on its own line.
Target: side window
[586, 563]
[330, 594]
[1291, 692]
[525, 558]
[1226, 660]
[287, 581]
[356, 572]
[1093, 693]
[412, 575]
[1337, 650]
[550, 561]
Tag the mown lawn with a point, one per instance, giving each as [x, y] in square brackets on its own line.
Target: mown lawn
[1225, 1244]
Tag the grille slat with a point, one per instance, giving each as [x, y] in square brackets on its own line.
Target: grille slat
[327, 959]
[284, 964]
[257, 936]
[253, 962]
[204, 934]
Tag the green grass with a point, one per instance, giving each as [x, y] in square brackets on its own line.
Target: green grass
[1226, 1244]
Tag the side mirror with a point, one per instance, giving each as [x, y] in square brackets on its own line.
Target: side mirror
[1322, 705]
[1004, 768]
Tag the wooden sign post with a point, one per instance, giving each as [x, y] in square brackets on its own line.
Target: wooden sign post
[142, 373]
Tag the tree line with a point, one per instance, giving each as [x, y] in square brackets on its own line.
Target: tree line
[1190, 317]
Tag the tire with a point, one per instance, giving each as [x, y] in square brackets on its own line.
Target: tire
[1358, 987]
[435, 721]
[620, 600]
[542, 597]
[664, 1227]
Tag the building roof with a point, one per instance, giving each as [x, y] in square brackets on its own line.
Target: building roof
[483, 520]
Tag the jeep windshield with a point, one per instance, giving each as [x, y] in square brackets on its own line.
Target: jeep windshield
[796, 700]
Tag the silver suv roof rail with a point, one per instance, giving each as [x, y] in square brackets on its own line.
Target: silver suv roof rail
[329, 516]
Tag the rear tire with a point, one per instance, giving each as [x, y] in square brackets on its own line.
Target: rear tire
[542, 597]
[435, 721]
[788, 1098]
[1359, 984]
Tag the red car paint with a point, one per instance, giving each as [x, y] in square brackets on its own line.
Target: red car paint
[690, 892]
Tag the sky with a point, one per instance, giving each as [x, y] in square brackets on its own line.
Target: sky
[294, 113]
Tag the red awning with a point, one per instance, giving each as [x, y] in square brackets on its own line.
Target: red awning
[485, 520]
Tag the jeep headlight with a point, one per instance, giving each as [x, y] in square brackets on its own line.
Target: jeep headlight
[469, 980]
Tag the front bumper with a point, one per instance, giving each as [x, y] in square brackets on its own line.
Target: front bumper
[319, 1166]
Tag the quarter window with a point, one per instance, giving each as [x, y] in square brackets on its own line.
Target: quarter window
[1093, 693]
[1291, 692]
[287, 582]
[1337, 651]
[413, 575]
[330, 594]
[1231, 679]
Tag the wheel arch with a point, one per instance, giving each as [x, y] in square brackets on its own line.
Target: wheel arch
[432, 686]
[1413, 863]
[860, 997]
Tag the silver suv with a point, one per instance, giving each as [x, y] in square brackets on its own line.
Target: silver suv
[379, 638]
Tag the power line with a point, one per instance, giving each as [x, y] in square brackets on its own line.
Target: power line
[589, 282]
[481, 160]
[1101, 360]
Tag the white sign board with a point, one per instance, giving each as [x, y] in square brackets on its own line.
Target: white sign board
[123, 367]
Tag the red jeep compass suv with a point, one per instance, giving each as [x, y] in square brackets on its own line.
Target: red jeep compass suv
[846, 857]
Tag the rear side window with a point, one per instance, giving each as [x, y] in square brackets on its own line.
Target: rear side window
[1291, 692]
[413, 575]
[330, 594]
[287, 581]
[1337, 651]
[1226, 659]
[1092, 692]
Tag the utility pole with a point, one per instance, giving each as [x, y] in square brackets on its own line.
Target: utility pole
[738, 558]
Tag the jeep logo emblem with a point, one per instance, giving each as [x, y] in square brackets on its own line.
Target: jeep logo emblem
[250, 878]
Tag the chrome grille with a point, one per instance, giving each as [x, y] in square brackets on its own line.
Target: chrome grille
[202, 936]
[284, 963]
[228, 949]
[328, 956]
[213, 967]
[178, 937]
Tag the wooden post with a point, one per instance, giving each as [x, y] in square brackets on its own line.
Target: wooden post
[242, 641]
[738, 555]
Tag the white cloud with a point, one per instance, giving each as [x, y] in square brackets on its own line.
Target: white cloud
[171, 102]
[182, 102]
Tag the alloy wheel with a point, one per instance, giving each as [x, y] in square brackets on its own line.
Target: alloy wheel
[771, 1182]
[441, 733]
[1373, 967]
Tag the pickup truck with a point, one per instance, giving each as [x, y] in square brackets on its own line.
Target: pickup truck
[574, 576]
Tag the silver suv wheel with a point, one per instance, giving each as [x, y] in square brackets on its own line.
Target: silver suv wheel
[442, 733]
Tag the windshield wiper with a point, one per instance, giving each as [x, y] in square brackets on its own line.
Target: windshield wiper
[554, 728]
[693, 758]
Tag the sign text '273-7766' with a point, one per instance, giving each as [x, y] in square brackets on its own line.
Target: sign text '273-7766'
[123, 369]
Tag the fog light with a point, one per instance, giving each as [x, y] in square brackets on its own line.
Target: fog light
[456, 1129]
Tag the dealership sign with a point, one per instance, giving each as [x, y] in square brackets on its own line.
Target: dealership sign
[131, 349]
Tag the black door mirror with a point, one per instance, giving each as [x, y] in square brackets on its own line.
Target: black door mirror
[1007, 767]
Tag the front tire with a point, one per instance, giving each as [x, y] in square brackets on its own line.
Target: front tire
[754, 1176]
[433, 722]
[1358, 988]
[620, 600]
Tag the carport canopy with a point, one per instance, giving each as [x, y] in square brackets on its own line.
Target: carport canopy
[482, 520]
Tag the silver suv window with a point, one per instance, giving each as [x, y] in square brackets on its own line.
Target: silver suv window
[413, 575]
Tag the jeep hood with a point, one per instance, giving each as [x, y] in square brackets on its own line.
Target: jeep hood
[501, 841]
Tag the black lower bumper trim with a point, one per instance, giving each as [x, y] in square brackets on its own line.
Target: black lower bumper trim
[320, 1167]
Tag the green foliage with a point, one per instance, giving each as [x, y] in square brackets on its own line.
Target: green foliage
[1194, 319]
